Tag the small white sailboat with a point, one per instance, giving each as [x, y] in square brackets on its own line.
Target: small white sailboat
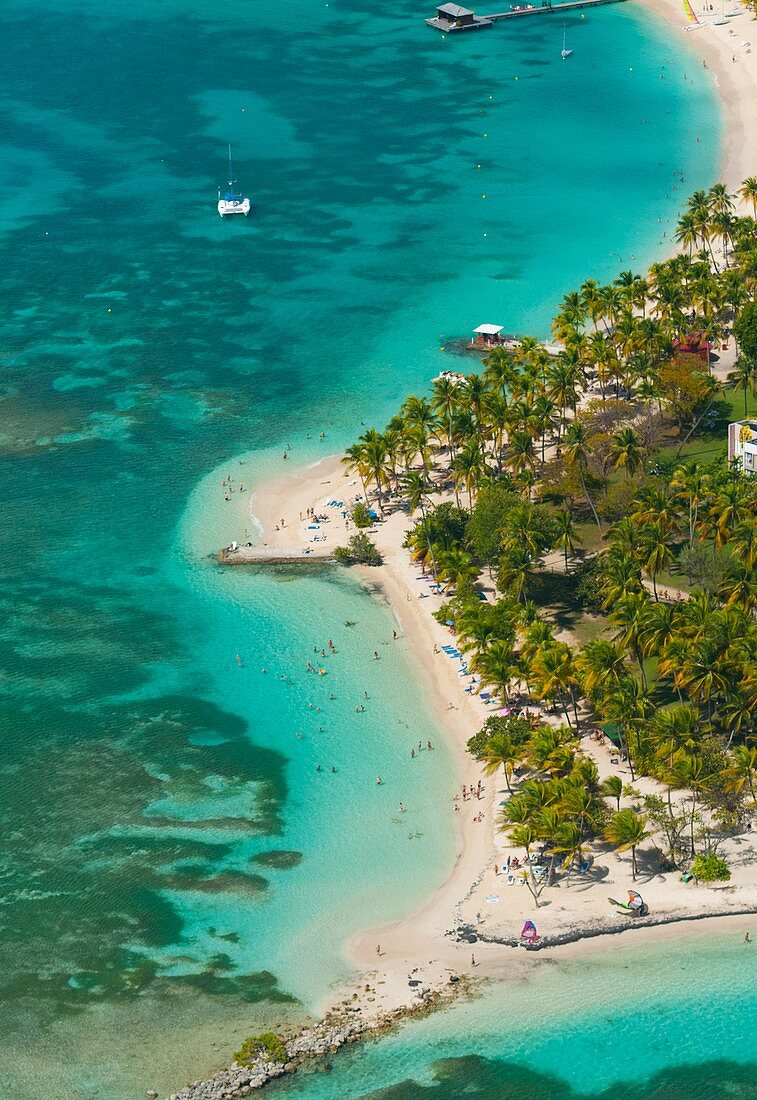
[723, 20]
[564, 52]
[231, 202]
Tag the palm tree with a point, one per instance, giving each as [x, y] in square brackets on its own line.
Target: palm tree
[626, 830]
[675, 732]
[497, 412]
[502, 752]
[445, 398]
[686, 232]
[544, 411]
[691, 484]
[515, 567]
[500, 370]
[748, 192]
[520, 453]
[626, 451]
[568, 841]
[629, 707]
[562, 384]
[601, 667]
[415, 491]
[577, 450]
[743, 542]
[591, 301]
[498, 667]
[629, 615]
[567, 539]
[744, 771]
[468, 467]
[355, 462]
[658, 627]
[655, 550]
[552, 676]
[549, 750]
[697, 775]
[456, 566]
[524, 836]
[612, 787]
[744, 375]
[622, 575]
[375, 456]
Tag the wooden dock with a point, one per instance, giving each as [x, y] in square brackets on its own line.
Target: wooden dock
[273, 555]
[452, 20]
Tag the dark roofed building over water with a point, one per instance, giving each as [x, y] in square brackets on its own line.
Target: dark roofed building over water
[451, 17]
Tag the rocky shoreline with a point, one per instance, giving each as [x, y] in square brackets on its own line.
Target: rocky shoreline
[349, 1022]
[468, 933]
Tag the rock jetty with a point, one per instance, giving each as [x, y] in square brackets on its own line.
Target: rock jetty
[347, 1024]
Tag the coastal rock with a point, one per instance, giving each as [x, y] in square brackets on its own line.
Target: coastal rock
[310, 1044]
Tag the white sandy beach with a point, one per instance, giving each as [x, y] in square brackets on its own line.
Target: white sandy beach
[731, 64]
[473, 894]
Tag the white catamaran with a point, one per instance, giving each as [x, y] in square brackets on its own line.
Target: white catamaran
[231, 202]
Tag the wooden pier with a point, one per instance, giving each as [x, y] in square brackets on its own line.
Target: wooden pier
[273, 555]
[452, 19]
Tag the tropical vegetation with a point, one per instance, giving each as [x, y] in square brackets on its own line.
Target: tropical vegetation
[568, 478]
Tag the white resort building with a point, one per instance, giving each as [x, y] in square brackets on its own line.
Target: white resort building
[742, 445]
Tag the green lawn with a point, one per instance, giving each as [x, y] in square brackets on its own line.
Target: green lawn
[707, 445]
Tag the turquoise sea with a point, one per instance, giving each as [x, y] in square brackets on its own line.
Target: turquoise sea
[668, 1021]
[174, 869]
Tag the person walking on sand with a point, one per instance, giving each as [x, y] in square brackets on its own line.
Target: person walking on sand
[473, 960]
[378, 948]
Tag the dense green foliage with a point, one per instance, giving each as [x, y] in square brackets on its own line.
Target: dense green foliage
[709, 868]
[267, 1045]
[745, 331]
[361, 516]
[552, 490]
[360, 550]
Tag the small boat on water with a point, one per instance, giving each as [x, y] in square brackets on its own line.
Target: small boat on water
[231, 202]
[564, 53]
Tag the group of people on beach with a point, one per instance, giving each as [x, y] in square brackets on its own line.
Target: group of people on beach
[469, 793]
[420, 748]
[228, 486]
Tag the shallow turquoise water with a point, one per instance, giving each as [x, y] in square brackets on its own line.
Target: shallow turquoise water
[671, 1020]
[146, 346]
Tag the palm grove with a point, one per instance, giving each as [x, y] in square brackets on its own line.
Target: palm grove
[582, 457]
